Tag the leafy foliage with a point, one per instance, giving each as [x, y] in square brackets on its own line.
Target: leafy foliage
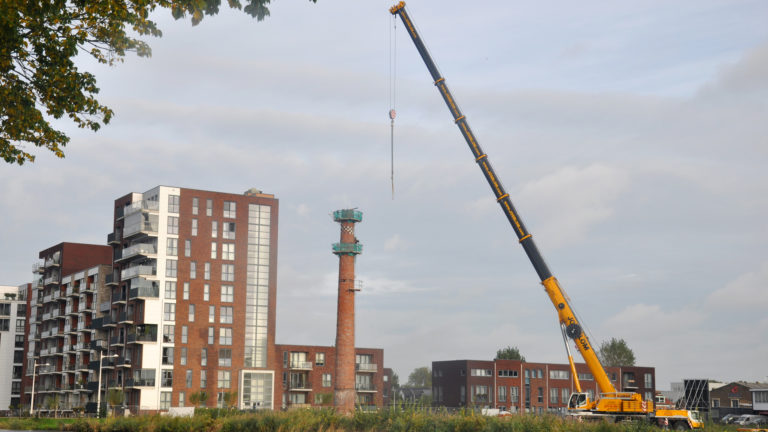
[616, 352]
[420, 377]
[509, 353]
[38, 76]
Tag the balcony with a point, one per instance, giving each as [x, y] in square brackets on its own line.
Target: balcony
[116, 340]
[125, 318]
[98, 345]
[141, 249]
[300, 365]
[143, 333]
[140, 226]
[38, 267]
[140, 382]
[140, 270]
[53, 261]
[114, 237]
[111, 279]
[366, 367]
[144, 292]
[107, 321]
[299, 386]
[73, 291]
[51, 280]
[123, 362]
[365, 388]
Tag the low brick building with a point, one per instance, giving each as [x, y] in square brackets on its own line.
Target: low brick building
[516, 386]
[307, 377]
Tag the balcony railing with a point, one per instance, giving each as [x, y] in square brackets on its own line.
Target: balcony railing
[141, 226]
[141, 249]
[365, 387]
[140, 382]
[304, 365]
[140, 270]
[144, 205]
[145, 292]
[366, 367]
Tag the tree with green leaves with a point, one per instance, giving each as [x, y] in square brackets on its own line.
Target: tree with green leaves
[115, 397]
[509, 353]
[615, 352]
[39, 80]
[230, 399]
[420, 377]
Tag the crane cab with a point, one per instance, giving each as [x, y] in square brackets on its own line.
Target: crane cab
[579, 401]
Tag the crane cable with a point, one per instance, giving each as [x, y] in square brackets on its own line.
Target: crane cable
[392, 98]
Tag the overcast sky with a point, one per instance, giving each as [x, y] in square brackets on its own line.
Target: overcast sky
[631, 136]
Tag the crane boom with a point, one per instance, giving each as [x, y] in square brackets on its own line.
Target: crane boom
[554, 291]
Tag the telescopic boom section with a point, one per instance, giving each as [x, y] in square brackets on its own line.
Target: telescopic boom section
[556, 295]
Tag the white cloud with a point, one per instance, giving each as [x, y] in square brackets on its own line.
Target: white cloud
[746, 294]
[395, 243]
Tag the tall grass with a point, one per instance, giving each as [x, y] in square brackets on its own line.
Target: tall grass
[409, 419]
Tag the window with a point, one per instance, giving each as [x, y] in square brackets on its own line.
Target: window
[228, 251]
[20, 325]
[514, 394]
[194, 227]
[228, 230]
[538, 373]
[553, 395]
[480, 393]
[191, 314]
[5, 324]
[172, 247]
[169, 311]
[508, 373]
[210, 335]
[173, 225]
[481, 372]
[502, 394]
[540, 397]
[225, 336]
[565, 394]
[228, 272]
[20, 341]
[195, 205]
[173, 203]
[185, 291]
[21, 310]
[319, 359]
[168, 356]
[715, 403]
[165, 400]
[585, 377]
[326, 380]
[187, 248]
[223, 380]
[170, 268]
[227, 293]
[207, 271]
[734, 403]
[225, 357]
[167, 378]
[230, 209]
[649, 396]
[213, 250]
[5, 309]
[182, 399]
[168, 331]
[192, 269]
[204, 357]
[225, 314]
[209, 207]
[183, 334]
[170, 290]
[203, 379]
[214, 229]
[183, 356]
[206, 292]
[559, 374]
[189, 378]
[648, 380]
[211, 314]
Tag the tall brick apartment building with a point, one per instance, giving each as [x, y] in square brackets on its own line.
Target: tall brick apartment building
[193, 297]
[522, 387]
[63, 302]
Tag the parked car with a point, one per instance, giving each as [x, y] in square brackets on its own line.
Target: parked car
[729, 418]
[752, 420]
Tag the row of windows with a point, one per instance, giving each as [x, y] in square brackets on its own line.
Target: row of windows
[230, 208]
[227, 249]
[227, 292]
[225, 334]
[5, 325]
[227, 270]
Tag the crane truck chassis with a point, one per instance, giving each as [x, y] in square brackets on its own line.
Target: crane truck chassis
[611, 405]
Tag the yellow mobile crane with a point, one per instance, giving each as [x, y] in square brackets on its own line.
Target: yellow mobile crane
[612, 404]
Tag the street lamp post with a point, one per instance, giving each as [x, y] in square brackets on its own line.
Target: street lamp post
[34, 374]
[98, 391]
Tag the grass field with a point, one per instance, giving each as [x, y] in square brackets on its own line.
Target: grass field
[396, 420]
